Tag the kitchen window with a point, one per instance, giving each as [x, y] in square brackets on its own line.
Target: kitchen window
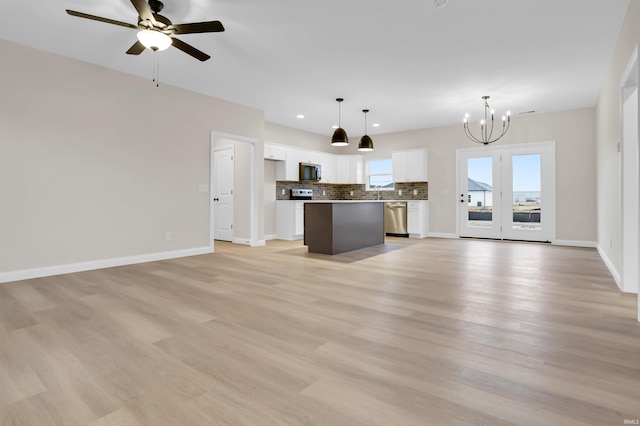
[380, 175]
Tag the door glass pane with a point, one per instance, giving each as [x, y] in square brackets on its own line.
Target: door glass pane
[526, 192]
[480, 192]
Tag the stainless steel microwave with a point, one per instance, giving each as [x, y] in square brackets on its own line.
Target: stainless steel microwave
[310, 172]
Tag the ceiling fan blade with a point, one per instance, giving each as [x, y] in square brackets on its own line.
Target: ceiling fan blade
[136, 49]
[197, 27]
[190, 50]
[144, 10]
[101, 19]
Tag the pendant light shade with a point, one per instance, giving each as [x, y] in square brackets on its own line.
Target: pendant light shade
[339, 137]
[366, 144]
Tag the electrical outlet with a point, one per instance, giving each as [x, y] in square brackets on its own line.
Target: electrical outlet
[399, 191]
[168, 236]
[351, 193]
[324, 192]
[283, 191]
[415, 192]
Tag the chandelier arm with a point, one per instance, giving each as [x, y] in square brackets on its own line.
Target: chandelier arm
[470, 135]
[490, 133]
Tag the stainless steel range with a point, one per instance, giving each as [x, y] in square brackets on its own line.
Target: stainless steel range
[301, 194]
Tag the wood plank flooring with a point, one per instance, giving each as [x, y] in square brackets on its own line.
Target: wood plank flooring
[414, 332]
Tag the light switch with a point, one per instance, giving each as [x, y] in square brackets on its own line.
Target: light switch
[283, 190]
[415, 192]
[399, 191]
[324, 192]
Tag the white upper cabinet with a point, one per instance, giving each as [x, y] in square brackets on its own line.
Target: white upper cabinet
[410, 165]
[308, 157]
[289, 169]
[334, 168]
[349, 169]
[275, 152]
[328, 167]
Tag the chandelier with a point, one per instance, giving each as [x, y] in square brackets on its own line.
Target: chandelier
[486, 129]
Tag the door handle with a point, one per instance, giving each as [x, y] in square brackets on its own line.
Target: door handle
[216, 199]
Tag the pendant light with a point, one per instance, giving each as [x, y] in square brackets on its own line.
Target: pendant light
[339, 137]
[366, 144]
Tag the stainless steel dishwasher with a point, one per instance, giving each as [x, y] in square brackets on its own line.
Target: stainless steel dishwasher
[395, 218]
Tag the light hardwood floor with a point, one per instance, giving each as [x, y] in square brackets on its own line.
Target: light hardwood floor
[415, 332]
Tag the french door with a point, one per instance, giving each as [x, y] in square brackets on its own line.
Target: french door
[507, 192]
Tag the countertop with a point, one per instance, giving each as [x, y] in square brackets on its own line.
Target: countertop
[354, 201]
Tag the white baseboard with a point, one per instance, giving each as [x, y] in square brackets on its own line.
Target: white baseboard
[612, 268]
[271, 237]
[576, 243]
[442, 235]
[26, 274]
[259, 243]
[241, 241]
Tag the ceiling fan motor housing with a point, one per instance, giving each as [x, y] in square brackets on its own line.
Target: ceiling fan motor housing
[156, 5]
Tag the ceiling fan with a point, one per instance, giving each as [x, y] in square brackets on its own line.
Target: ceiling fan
[156, 31]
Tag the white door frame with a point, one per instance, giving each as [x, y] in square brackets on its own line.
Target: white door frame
[548, 176]
[254, 202]
[630, 181]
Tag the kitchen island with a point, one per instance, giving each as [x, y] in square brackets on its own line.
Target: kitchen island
[332, 228]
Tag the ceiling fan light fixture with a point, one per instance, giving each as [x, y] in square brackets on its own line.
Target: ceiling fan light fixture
[154, 40]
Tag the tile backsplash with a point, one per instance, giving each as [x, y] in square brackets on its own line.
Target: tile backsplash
[324, 191]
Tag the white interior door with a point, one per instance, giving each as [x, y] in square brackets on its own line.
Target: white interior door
[223, 170]
[507, 192]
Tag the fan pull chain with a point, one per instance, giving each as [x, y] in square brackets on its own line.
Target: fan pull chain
[156, 68]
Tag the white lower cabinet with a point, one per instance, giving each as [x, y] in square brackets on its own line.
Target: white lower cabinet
[290, 219]
[418, 219]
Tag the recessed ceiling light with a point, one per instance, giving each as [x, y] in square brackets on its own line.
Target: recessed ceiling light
[335, 126]
[376, 125]
[440, 3]
[300, 116]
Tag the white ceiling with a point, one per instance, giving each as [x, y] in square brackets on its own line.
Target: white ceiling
[412, 64]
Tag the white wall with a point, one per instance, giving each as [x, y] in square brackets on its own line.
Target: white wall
[96, 164]
[608, 137]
